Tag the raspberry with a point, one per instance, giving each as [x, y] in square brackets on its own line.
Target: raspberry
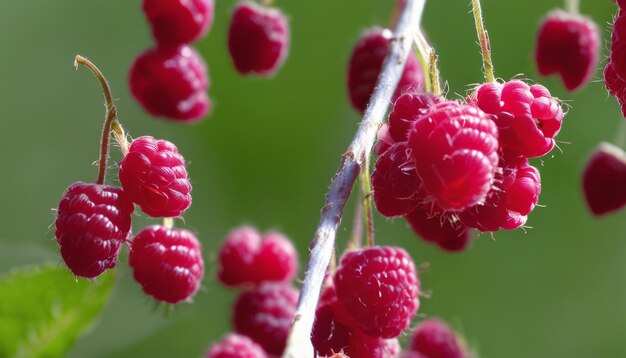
[178, 22]
[528, 116]
[406, 110]
[568, 45]
[171, 83]
[395, 182]
[618, 44]
[378, 286]
[265, 314]
[245, 257]
[329, 335]
[366, 62]
[440, 229]
[514, 196]
[92, 223]
[616, 86]
[603, 179]
[153, 175]
[167, 263]
[236, 346]
[384, 140]
[434, 339]
[362, 345]
[258, 39]
[455, 151]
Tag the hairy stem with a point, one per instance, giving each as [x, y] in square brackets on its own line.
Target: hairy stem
[299, 341]
[483, 38]
[366, 188]
[572, 6]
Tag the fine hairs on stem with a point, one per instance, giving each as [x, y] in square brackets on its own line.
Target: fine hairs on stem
[483, 38]
[299, 341]
[572, 6]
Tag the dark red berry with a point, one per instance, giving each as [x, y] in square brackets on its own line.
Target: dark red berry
[178, 22]
[236, 346]
[265, 314]
[604, 179]
[92, 223]
[329, 335]
[618, 44]
[366, 62]
[616, 86]
[455, 150]
[439, 228]
[568, 45]
[171, 83]
[362, 345]
[379, 287]
[153, 175]
[167, 263]
[406, 110]
[434, 339]
[245, 257]
[258, 39]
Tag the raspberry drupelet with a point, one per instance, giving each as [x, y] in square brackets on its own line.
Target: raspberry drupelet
[603, 180]
[236, 346]
[176, 23]
[153, 175]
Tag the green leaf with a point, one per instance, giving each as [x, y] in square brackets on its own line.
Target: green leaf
[44, 310]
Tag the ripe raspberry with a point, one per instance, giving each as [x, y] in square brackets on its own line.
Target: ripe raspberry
[236, 346]
[455, 151]
[434, 339]
[329, 335]
[528, 116]
[362, 345]
[167, 263]
[618, 44]
[378, 286]
[245, 257]
[92, 223]
[177, 23]
[406, 110]
[258, 39]
[568, 45]
[616, 86]
[265, 313]
[439, 228]
[171, 82]
[366, 62]
[513, 197]
[153, 175]
[397, 188]
[603, 179]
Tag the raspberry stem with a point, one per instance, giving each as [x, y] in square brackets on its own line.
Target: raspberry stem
[299, 341]
[168, 222]
[356, 236]
[483, 38]
[428, 60]
[366, 189]
[572, 6]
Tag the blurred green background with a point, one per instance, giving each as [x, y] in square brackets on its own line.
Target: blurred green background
[266, 155]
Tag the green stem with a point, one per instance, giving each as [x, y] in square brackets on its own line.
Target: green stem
[428, 60]
[572, 6]
[620, 137]
[168, 222]
[366, 189]
[483, 38]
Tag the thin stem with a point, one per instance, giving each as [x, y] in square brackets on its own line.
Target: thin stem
[299, 341]
[483, 38]
[620, 137]
[356, 236]
[572, 6]
[434, 73]
[428, 59]
[120, 136]
[168, 222]
[366, 189]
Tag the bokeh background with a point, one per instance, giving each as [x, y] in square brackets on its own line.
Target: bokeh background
[266, 155]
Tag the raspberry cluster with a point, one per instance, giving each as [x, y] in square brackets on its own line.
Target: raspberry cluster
[170, 80]
[265, 267]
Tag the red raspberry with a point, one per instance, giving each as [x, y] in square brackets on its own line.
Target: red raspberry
[153, 175]
[92, 223]
[604, 178]
[528, 116]
[568, 45]
[434, 339]
[439, 228]
[171, 82]
[384, 140]
[167, 263]
[258, 39]
[329, 335]
[406, 110]
[362, 345]
[618, 44]
[513, 197]
[245, 257]
[455, 151]
[366, 62]
[265, 314]
[615, 85]
[178, 22]
[397, 188]
[236, 346]
[378, 286]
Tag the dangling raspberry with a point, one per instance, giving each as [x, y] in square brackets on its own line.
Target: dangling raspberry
[455, 151]
[379, 287]
[178, 22]
[617, 56]
[329, 334]
[434, 339]
[406, 110]
[568, 45]
[439, 228]
[604, 179]
[265, 314]
[236, 346]
[167, 263]
[245, 257]
[171, 83]
[616, 86]
[362, 345]
[92, 223]
[258, 39]
[528, 117]
[366, 62]
[153, 175]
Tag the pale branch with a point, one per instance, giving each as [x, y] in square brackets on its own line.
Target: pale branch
[299, 342]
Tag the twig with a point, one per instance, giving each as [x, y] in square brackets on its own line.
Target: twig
[299, 342]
